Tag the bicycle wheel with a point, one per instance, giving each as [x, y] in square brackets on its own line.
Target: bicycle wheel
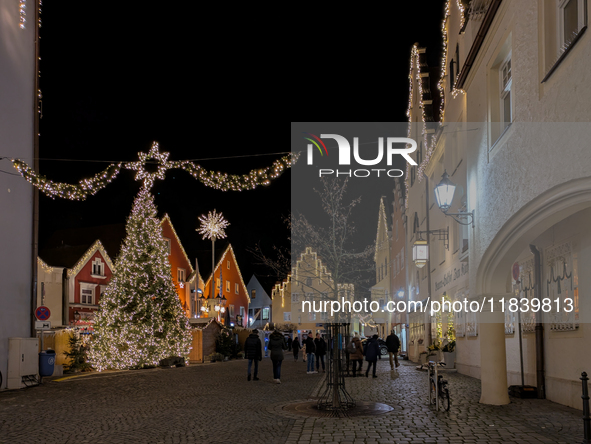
[444, 399]
[432, 392]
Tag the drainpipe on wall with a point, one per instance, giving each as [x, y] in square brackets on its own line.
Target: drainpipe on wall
[540, 381]
[65, 298]
[428, 333]
[35, 227]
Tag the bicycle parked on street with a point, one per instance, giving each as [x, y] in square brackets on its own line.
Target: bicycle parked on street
[438, 391]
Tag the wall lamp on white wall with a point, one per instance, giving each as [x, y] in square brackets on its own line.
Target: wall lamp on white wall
[444, 194]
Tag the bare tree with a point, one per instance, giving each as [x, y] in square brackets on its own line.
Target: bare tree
[333, 240]
[277, 259]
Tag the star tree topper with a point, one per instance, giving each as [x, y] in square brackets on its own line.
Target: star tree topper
[140, 166]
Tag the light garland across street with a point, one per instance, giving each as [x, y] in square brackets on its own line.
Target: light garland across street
[212, 179]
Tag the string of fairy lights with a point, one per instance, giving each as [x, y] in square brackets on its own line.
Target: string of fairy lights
[415, 65]
[22, 11]
[213, 179]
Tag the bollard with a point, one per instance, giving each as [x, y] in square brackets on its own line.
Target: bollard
[586, 418]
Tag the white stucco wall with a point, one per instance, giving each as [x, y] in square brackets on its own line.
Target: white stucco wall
[16, 140]
[547, 148]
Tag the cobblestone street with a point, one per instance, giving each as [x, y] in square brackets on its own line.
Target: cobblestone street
[213, 403]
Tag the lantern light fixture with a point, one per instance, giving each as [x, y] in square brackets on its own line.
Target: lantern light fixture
[420, 253]
[444, 195]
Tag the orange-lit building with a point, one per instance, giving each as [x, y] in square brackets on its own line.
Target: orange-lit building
[233, 288]
[183, 273]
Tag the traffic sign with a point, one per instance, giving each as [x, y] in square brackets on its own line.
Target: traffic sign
[42, 325]
[42, 313]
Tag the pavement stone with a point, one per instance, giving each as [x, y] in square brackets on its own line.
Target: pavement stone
[214, 403]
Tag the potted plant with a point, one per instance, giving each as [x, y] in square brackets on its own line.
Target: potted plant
[212, 357]
[435, 351]
[240, 355]
[449, 354]
[423, 357]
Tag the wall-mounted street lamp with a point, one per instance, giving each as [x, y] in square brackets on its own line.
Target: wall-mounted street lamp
[420, 253]
[444, 194]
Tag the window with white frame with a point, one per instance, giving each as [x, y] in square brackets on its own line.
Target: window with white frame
[228, 264]
[506, 96]
[500, 92]
[295, 297]
[571, 19]
[266, 314]
[87, 293]
[242, 311]
[98, 267]
[181, 274]
[309, 282]
[287, 316]
[311, 316]
[253, 294]
[236, 288]
[167, 240]
[228, 286]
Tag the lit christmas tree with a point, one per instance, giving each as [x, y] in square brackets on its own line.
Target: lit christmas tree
[140, 319]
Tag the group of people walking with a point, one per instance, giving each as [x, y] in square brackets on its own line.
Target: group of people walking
[372, 353]
[311, 347]
[314, 351]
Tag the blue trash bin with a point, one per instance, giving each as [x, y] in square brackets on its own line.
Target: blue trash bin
[46, 362]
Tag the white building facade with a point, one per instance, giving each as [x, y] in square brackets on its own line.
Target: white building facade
[18, 109]
[514, 137]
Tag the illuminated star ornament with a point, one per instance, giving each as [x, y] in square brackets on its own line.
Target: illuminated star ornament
[213, 179]
[212, 226]
[144, 175]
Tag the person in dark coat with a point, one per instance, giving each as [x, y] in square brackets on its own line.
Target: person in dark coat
[276, 346]
[289, 341]
[310, 350]
[356, 357]
[372, 354]
[253, 351]
[295, 347]
[393, 344]
[320, 345]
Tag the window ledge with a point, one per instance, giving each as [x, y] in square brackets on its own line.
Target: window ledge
[564, 54]
[98, 276]
[501, 139]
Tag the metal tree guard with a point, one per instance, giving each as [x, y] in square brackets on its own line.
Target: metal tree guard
[335, 397]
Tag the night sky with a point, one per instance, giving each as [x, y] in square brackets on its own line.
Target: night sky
[206, 84]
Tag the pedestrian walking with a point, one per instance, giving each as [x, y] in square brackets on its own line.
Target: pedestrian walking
[356, 354]
[393, 344]
[320, 345]
[295, 347]
[372, 354]
[310, 349]
[253, 351]
[276, 346]
[289, 341]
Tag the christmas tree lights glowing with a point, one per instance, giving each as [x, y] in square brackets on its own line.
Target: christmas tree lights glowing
[212, 179]
[140, 320]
